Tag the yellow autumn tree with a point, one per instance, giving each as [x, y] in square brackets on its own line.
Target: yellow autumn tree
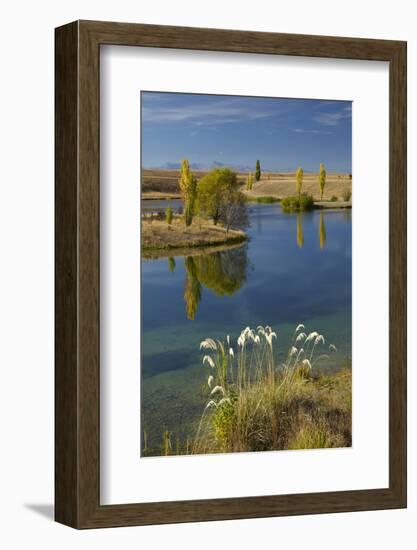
[299, 180]
[322, 180]
[188, 189]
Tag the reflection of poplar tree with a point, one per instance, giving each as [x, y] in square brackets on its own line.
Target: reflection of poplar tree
[322, 231]
[171, 264]
[192, 291]
[300, 233]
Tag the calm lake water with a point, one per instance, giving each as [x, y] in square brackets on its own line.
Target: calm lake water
[296, 268]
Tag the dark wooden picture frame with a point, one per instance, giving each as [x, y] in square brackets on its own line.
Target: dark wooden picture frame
[77, 359]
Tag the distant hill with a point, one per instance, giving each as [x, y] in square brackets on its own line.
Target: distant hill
[277, 184]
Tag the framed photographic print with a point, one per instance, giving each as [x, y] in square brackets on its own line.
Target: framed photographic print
[230, 274]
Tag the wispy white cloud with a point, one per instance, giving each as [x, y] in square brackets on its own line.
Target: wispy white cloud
[202, 114]
[307, 131]
[333, 118]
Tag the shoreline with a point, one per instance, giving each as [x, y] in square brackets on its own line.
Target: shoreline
[257, 199]
[159, 253]
[157, 237]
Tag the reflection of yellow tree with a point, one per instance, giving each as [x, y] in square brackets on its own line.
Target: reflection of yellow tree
[222, 272]
[171, 263]
[192, 291]
[300, 233]
[322, 231]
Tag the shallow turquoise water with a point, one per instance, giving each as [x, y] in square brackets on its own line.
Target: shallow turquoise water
[294, 269]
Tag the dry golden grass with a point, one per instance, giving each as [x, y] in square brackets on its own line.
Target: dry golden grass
[159, 184]
[256, 405]
[283, 185]
[158, 235]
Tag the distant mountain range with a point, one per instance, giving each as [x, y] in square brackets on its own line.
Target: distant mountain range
[218, 164]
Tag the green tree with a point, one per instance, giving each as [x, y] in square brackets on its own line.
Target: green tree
[188, 188]
[322, 180]
[299, 180]
[212, 192]
[258, 171]
[168, 215]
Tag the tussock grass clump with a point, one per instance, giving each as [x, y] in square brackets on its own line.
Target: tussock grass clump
[256, 405]
[267, 199]
[301, 203]
[347, 195]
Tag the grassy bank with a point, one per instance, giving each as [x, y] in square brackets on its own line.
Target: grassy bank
[158, 235]
[255, 404]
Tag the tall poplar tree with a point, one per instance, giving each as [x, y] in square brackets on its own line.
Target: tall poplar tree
[322, 180]
[188, 188]
[299, 180]
[258, 171]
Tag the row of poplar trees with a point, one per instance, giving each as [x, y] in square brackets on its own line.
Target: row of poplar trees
[321, 178]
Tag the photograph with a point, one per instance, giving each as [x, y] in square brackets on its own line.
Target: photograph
[246, 274]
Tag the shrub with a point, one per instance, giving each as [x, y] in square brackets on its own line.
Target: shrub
[291, 204]
[266, 200]
[347, 195]
[168, 215]
[334, 198]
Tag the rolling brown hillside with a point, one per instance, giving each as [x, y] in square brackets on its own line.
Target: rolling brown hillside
[158, 183]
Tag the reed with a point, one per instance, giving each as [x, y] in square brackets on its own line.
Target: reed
[256, 404]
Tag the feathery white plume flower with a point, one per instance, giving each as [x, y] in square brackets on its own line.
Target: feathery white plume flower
[320, 338]
[300, 337]
[299, 327]
[217, 389]
[210, 381]
[332, 347]
[231, 352]
[311, 337]
[228, 340]
[307, 363]
[209, 360]
[208, 343]
[269, 337]
[293, 351]
[211, 403]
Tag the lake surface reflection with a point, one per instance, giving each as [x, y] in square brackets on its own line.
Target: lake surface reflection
[296, 268]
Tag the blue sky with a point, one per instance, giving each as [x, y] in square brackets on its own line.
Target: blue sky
[236, 131]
